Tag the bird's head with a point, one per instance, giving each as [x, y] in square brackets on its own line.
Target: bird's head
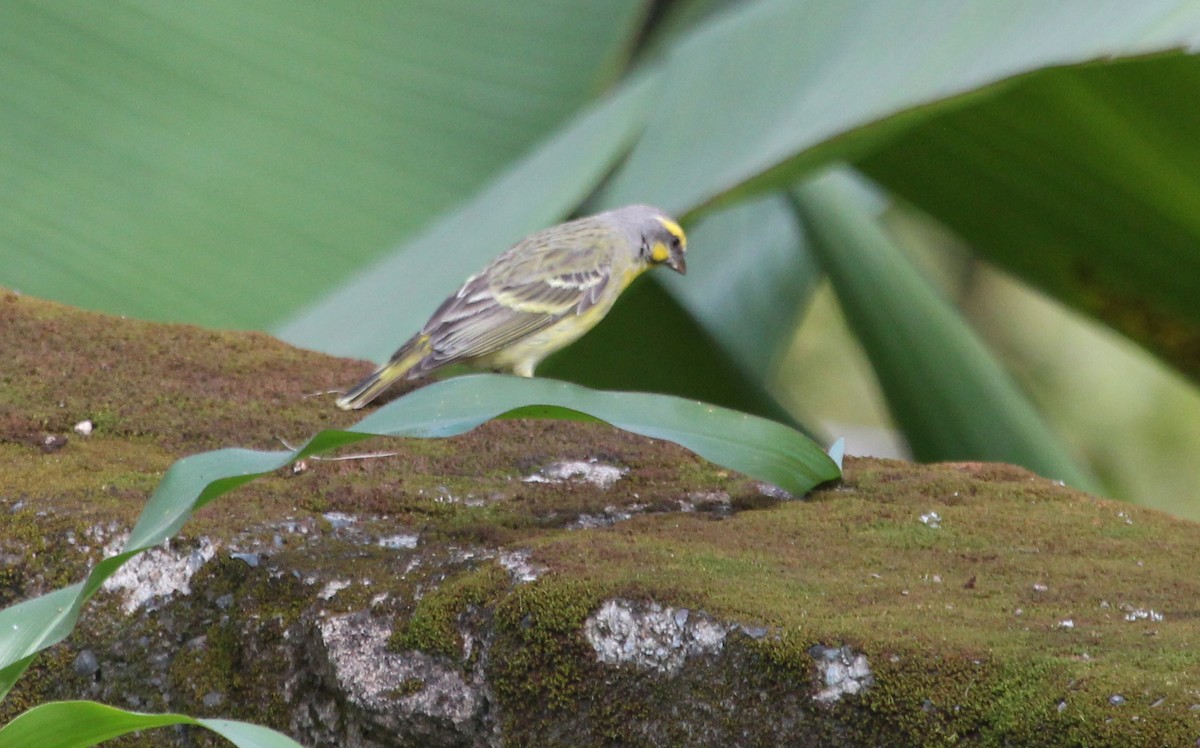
[659, 240]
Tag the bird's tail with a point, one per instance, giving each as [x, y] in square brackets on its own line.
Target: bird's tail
[379, 380]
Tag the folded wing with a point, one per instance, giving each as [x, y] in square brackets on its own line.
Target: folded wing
[519, 295]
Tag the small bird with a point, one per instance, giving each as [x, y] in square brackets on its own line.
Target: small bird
[541, 295]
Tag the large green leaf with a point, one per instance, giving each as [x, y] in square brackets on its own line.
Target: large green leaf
[748, 98]
[78, 724]
[950, 397]
[1085, 182]
[224, 162]
[371, 315]
[757, 447]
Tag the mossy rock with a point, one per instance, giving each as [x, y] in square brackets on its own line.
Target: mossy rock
[388, 601]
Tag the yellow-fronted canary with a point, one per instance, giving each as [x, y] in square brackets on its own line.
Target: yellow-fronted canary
[541, 295]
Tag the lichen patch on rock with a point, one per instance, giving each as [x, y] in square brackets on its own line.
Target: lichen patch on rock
[158, 573]
[651, 636]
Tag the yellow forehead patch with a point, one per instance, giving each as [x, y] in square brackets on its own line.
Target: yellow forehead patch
[674, 228]
[659, 252]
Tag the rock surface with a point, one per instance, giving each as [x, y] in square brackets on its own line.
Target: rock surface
[474, 592]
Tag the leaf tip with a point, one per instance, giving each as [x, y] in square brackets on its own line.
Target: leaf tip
[838, 451]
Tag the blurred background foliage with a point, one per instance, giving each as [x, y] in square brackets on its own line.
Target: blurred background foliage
[965, 231]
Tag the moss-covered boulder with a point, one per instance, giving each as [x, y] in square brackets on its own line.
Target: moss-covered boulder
[549, 583]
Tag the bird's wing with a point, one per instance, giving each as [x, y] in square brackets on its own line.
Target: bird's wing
[523, 292]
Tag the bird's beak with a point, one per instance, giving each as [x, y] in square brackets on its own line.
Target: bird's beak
[677, 263]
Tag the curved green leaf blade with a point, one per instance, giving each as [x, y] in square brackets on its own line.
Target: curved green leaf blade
[265, 148]
[79, 724]
[1084, 182]
[949, 396]
[848, 76]
[755, 446]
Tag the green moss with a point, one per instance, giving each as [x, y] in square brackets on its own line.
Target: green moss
[206, 664]
[55, 539]
[433, 626]
[784, 653]
[540, 660]
[39, 684]
[922, 699]
[858, 566]
[906, 535]
[235, 618]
